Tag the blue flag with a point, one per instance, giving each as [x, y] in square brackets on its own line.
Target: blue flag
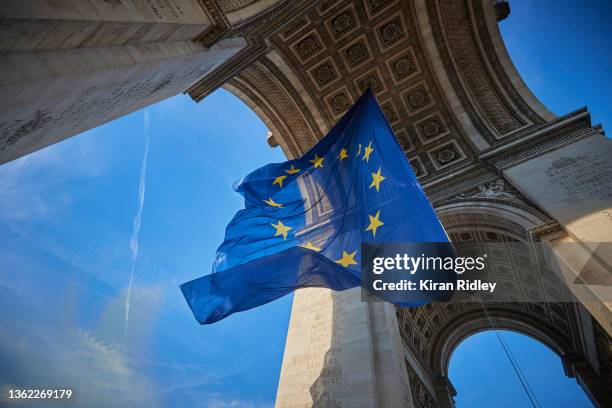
[305, 219]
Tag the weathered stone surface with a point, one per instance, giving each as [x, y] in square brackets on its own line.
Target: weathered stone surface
[47, 96]
[574, 185]
[342, 352]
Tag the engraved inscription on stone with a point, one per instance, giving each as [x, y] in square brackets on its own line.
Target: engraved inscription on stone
[588, 176]
[314, 350]
[158, 7]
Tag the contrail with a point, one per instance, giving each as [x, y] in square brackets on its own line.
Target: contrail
[136, 224]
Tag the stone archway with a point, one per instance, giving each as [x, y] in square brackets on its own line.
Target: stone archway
[432, 332]
[486, 152]
[495, 367]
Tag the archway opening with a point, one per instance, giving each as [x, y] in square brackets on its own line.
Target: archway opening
[483, 374]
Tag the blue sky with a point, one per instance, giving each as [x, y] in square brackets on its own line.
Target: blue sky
[67, 216]
[66, 219]
[562, 50]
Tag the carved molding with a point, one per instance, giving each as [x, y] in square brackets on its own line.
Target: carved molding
[551, 228]
[540, 147]
[261, 26]
[459, 184]
[498, 189]
[336, 52]
[467, 56]
[232, 5]
[278, 105]
[225, 72]
[432, 332]
[335, 39]
[255, 30]
[603, 346]
[220, 23]
[421, 397]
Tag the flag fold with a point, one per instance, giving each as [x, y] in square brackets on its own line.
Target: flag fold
[305, 219]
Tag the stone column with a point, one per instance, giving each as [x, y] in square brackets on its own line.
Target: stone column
[573, 184]
[342, 351]
[590, 381]
[67, 66]
[445, 392]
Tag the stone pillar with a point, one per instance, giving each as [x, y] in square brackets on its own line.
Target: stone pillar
[590, 381]
[587, 277]
[445, 392]
[342, 351]
[573, 184]
[67, 66]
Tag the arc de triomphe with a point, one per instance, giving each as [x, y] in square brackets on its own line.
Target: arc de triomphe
[496, 164]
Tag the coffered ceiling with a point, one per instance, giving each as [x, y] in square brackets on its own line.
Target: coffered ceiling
[438, 69]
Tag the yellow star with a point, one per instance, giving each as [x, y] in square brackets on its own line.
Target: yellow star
[272, 203]
[311, 247]
[347, 259]
[343, 154]
[317, 161]
[375, 223]
[279, 180]
[377, 178]
[281, 229]
[292, 170]
[368, 150]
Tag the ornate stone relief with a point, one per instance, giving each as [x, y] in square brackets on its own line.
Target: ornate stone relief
[532, 148]
[308, 47]
[293, 27]
[499, 189]
[417, 167]
[390, 111]
[513, 268]
[466, 57]
[325, 5]
[220, 24]
[390, 32]
[375, 7]
[431, 128]
[403, 65]
[603, 345]
[417, 98]
[233, 5]
[404, 140]
[446, 154]
[343, 23]
[356, 53]
[324, 74]
[339, 101]
[373, 80]
[421, 397]
[261, 84]
[338, 49]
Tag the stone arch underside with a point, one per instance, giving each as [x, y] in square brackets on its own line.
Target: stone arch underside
[462, 113]
[438, 69]
[432, 332]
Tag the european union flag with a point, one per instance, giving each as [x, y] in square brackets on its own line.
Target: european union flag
[305, 219]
